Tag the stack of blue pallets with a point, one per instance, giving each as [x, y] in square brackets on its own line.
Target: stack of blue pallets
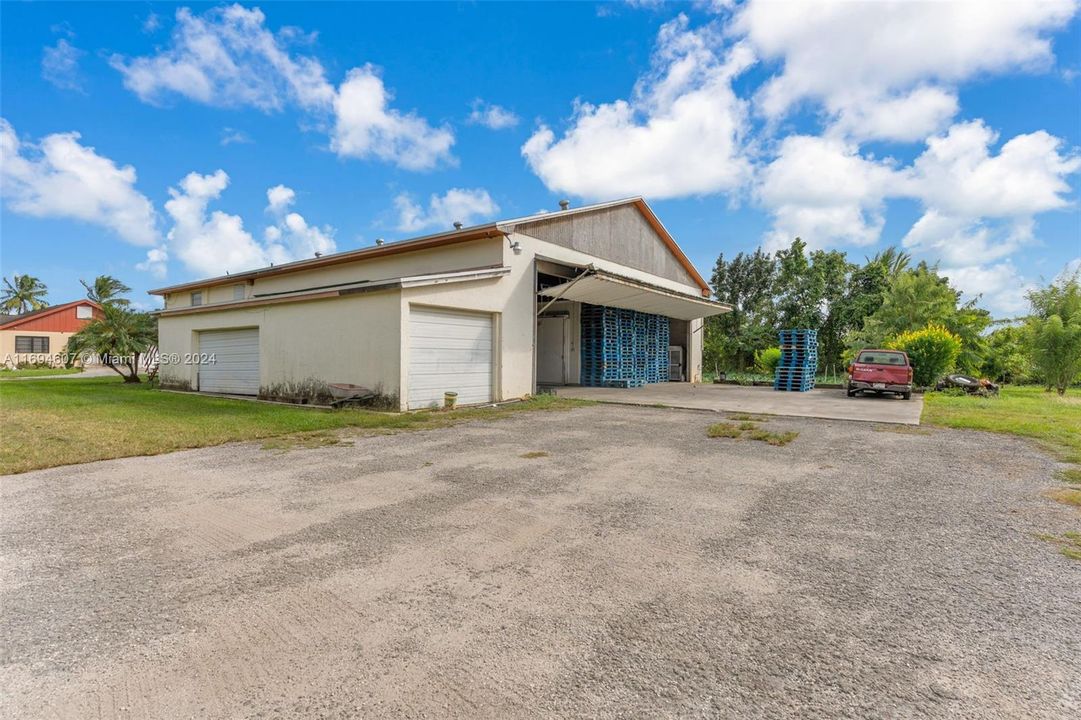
[623, 348]
[799, 360]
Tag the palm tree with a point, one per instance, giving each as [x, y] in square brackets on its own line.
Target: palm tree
[106, 290]
[26, 293]
[118, 337]
[895, 261]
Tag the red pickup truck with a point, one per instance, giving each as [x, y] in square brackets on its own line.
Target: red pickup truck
[880, 371]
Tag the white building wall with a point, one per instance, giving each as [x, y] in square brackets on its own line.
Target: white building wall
[351, 339]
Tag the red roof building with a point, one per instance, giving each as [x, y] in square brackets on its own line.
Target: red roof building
[41, 336]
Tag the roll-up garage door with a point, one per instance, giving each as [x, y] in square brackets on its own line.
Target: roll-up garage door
[449, 351]
[231, 361]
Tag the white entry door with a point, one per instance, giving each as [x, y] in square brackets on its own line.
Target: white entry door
[231, 361]
[449, 351]
[551, 340]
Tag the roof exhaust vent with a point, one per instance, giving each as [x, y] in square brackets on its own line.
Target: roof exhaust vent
[457, 225]
[564, 204]
[379, 241]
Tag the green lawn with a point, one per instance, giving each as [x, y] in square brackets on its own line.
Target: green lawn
[1052, 421]
[38, 372]
[49, 422]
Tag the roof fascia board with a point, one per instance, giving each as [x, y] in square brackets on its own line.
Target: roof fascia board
[479, 232]
[46, 312]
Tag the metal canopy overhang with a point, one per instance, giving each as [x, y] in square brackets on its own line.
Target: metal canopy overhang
[600, 288]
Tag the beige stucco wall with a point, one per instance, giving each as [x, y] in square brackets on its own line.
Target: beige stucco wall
[58, 343]
[351, 339]
[462, 256]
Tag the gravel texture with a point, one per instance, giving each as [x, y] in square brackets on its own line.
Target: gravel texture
[639, 569]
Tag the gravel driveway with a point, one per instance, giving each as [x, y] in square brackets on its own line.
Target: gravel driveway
[638, 569]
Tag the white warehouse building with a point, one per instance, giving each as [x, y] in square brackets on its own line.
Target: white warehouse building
[492, 312]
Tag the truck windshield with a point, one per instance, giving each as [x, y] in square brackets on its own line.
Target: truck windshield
[881, 358]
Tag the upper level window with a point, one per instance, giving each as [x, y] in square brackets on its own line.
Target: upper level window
[238, 292]
[84, 312]
[197, 297]
[31, 344]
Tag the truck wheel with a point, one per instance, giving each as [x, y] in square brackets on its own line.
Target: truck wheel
[906, 396]
[851, 393]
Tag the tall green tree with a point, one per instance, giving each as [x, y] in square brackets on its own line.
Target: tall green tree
[1054, 331]
[1009, 355]
[1057, 352]
[745, 283]
[832, 270]
[107, 290]
[23, 293]
[798, 290]
[919, 297]
[119, 338]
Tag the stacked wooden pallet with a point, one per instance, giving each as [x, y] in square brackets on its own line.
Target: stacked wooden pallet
[799, 360]
[623, 348]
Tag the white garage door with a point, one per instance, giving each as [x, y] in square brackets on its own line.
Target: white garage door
[449, 351]
[231, 361]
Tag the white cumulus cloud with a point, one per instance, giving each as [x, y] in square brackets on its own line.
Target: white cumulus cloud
[291, 237]
[679, 135]
[209, 243]
[228, 57]
[294, 239]
[62, 178]
[491, 116]
[999, 287]
[978, 204]
[215, 242]
[824, 191]
[279, 197]
[366, 126]
[466, 206]
[852, 57]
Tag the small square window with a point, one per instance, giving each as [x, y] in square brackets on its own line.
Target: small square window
[197, 297]
[238, 292]
[84, 312]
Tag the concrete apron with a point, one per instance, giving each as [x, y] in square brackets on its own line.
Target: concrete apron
[829, 404]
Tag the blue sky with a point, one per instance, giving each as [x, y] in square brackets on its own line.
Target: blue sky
[161, 143]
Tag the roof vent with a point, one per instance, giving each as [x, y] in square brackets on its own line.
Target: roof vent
[457, 225]
[379, 241]
[564, 204]
[318, 254]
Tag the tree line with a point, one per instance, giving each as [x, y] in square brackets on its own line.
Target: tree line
[887, 301]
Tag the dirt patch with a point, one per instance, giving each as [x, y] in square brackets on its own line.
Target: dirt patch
[1066, 496]
[750, 431]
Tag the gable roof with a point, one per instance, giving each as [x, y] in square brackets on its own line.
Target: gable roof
[637, 202]
[475, 232]
[10, 322]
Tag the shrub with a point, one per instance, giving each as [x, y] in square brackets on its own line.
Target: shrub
[768, 359]
[933, 352]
